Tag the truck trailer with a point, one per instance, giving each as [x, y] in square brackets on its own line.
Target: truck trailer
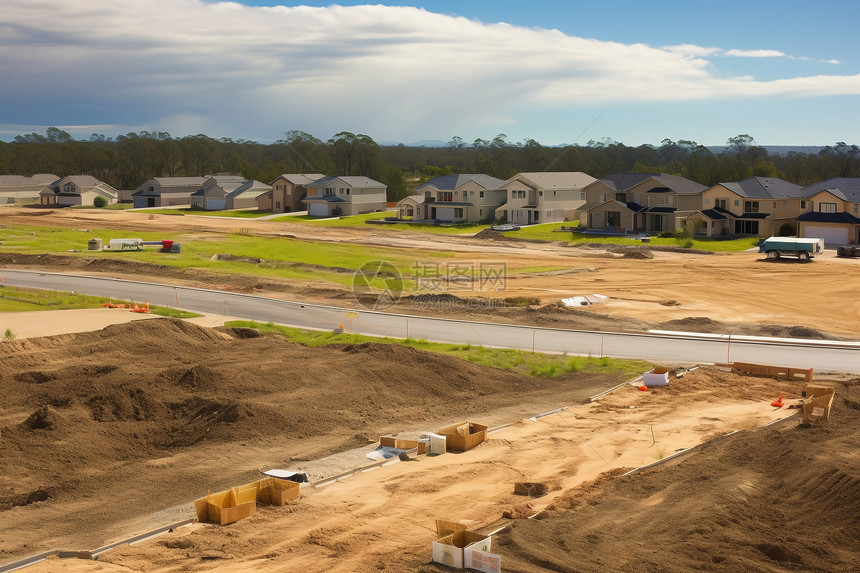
[802, 248]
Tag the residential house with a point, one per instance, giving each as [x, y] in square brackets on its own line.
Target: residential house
[831, 211]
[230, 192]
[21, 189]
[545, 197]
[649, 202]
[344, 195]
[77, 190]
[759, 206]
[288, 190]
[167, 191]
[454, 199]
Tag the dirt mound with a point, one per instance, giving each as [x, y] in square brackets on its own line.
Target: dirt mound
[491, 235]
[153, 407]
[779, 498]
[638, 254]
[707, 325]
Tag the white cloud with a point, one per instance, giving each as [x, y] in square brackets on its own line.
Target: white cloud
[188, 66]
[754, 53]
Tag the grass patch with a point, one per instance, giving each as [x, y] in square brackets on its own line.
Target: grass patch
[548, 232]
[345, 221]
[517, 361]
[16, 299]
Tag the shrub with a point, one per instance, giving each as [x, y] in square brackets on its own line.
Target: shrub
[99, 202]
[787, 230]
[9, 335]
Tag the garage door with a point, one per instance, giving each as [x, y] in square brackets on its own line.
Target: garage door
[831, 235]
[318, 210]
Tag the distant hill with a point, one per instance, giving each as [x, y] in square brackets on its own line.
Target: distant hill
[716, 149]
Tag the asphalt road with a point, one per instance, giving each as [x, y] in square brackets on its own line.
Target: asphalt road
[691, 348]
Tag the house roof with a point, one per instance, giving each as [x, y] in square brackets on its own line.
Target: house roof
[39, 180]
[298, 178]
[350, 180]
[251, 188]
[763, 188]
[549, 180]
[661, 209]
[620, 182]
[713, 214]
[178, 181]
[451, 204]
[635, 207]
[451, 182]
[816, 217]
[849, 186]
[753, 216]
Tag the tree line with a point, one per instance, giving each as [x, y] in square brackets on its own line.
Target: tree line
[128, 160]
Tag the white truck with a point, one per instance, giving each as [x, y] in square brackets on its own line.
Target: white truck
[802, 248]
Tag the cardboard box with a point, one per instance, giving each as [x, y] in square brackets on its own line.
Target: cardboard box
[459, 548]
[657, 376]
[227, 506]
[463, 436]
[817, 401]
[276, 491]
[389, 442]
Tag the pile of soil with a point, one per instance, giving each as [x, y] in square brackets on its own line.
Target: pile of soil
[163, 411]
[781, 498]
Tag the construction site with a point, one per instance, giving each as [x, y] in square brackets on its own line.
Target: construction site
[126, 447]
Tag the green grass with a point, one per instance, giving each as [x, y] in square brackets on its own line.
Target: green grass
[545, 233]
[15, 299]
[241, 213]
[284, 257]
[347, 221]
[518, 361]
[360, 221]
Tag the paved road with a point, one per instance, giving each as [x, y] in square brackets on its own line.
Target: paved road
[654, 347]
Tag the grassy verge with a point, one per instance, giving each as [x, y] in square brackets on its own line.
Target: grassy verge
[552, 232]
[518, 361]
[14, 299]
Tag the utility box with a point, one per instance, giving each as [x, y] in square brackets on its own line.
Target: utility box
[94, 245]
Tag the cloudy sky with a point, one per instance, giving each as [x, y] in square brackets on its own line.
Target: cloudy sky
[786, 72]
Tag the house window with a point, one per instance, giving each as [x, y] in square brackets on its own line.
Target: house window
[446, 196]
[277, 204]
[582, 196]
[737, 202]
[774, 204]
[803, 204]
[720, 203]
[458, 213]
[151, 188]
[553, 193]
[472, 193]
[707, 200]
[746, 227]
[827, 207]
[540, 193]
[347, 191]
[750, 206]
[481, 194]
[856, 208]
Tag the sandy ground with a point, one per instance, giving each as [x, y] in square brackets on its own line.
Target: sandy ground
[383, 519]
[104, 440]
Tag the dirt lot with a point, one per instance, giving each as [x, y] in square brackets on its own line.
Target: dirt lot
[102, 445]
[729, 293]
[111, 433]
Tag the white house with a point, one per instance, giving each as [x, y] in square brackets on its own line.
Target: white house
[77, 190]
[545, 197]
[454, 198]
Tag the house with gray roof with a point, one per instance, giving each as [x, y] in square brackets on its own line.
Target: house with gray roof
[77, 190]
[757, 206]
[22, 189]
[545, 197]
[288, 190]
[166, 191]
[458, 198]
[649, 202]
[831, 211]
[345, 195]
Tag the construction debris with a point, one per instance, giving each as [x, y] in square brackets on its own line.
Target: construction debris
[778, 372]
[464, 436]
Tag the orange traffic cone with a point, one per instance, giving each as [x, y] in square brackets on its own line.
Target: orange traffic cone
[644, 388]
[778, 402]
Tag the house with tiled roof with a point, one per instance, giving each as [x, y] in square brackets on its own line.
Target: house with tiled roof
[344, 195]
[649, 202]
[454, 199]
[22, 189]
[77, 190]
[831, 211]
[545, 197]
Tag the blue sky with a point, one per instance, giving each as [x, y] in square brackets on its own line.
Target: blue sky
[786, 72]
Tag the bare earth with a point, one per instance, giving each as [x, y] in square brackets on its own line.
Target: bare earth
[111, 433]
